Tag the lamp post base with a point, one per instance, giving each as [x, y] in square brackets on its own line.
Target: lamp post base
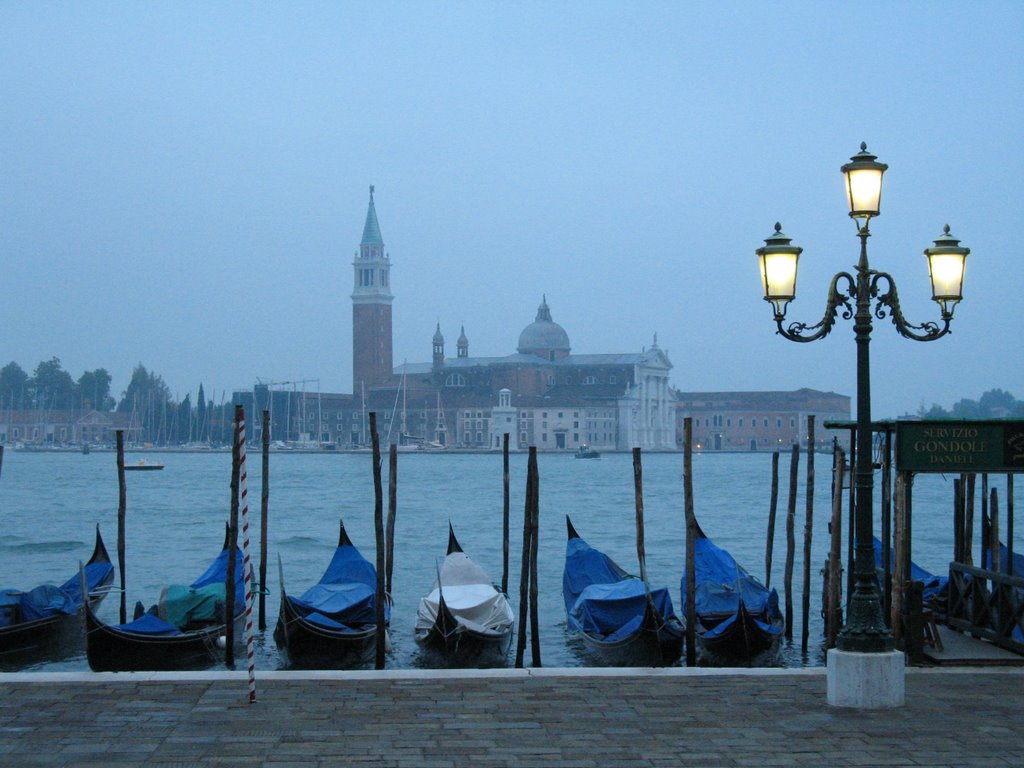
[865, 680]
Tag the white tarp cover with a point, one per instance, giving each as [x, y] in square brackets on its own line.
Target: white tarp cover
[470, 597]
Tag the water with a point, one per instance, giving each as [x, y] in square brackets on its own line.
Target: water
[50, 503]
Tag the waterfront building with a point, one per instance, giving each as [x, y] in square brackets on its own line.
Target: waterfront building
[760, 421]
[55, 428]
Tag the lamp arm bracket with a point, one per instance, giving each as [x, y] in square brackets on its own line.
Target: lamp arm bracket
[888, 305]
[836, 298]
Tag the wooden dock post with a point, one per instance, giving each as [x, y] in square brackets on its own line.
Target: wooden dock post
[772, 508]
[1, 458]
[378, 530]
[389, 531]
[638, 499]
[524, 573]
[504, 514]
[886, 532]
[834, 552]
[971, 481]
[264, 510]
[229, 581]
[900, 572]
[993, 532]
[794, 467]
[534, 546]
[122, 506]
[808, 527]
[691, 543]
[986, 561]
[1009, 525]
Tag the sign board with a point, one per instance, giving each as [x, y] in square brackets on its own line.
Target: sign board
[960, 446]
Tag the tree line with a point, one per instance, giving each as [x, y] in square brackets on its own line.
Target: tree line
[993, 404]
[147, 399]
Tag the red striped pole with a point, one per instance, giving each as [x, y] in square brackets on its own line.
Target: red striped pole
[243, 494]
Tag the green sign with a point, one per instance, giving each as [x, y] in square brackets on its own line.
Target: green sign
[960, 446]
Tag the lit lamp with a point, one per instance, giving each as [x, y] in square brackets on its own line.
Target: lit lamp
[946, 263]
[864, 184]
[778, 269]
[863, 295]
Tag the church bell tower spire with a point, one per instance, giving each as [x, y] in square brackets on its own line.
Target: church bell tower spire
[371, 307]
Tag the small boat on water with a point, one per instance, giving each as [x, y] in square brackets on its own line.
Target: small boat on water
[334, 623]
[586, 452]
[620, 618]
[143, 466]
[35, 622]
[464, 618]
[737, 616]
[184, 630]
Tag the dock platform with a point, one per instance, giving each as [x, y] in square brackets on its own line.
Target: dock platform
[523, 718]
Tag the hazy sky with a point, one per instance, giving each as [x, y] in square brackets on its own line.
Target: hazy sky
[185, 184]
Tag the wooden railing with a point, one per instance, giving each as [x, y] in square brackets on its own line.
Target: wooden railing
[987, 604]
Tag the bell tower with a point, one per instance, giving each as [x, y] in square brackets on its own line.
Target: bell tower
[371, 308]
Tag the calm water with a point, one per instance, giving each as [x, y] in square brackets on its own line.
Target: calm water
[50, 503]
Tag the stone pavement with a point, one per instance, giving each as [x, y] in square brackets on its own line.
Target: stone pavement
[574, 718]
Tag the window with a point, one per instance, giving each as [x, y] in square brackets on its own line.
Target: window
[766, 423]
[560, 414]
[522, 438]
[728, 422]
[778, 423]
[612, 379]
[741, 421]
[551, 379]
[589, 380]
[792, 422]
[455, 380]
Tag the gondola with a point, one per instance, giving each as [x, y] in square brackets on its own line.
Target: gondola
[184, 630]
[464, 619]
[621, 621]
[738, 618]
[334, 623]
[37, 622]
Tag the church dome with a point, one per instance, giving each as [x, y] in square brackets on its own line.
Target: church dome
[544, 337]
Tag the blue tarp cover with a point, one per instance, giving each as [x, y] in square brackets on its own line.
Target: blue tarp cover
[148, 624]
[600, 598]
[721, 582]
[9, 601]
[345, 595]
[95, 573]
[45, 600]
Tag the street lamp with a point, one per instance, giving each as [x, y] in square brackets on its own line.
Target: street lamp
[865, 631]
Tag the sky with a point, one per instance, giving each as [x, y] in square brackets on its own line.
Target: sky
[184, 184]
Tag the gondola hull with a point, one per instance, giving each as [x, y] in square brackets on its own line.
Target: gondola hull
[57, 636]
[110, 649]
[307, 645]
[737, 636]
[449, 642]
[656, 644]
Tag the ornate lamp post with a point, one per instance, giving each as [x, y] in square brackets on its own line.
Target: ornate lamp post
[854, 294]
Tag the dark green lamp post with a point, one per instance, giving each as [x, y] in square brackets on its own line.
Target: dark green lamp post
[865, 630]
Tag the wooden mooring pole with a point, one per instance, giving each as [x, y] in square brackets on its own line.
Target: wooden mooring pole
[993, 543]
[389, 531]
[638, 498]
[794, 467]
[970, 481]
[835, 550]
[524, 573]
[264, 511]
[1009, 525]
[534, 546]
[808, 528]
[691, 543]
[772, 509]
[122, 506]
[1, 458]
[378, 530]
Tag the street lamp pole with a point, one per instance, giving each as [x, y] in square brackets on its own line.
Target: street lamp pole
[865, 630]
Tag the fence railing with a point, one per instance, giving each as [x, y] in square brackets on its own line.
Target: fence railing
[987, 604]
